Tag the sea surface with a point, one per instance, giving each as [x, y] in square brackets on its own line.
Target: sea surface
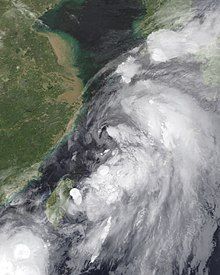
[143, 158]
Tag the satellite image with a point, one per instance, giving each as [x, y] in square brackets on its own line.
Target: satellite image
[109, 137]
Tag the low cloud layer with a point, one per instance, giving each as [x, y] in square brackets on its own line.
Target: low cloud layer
[154, 203]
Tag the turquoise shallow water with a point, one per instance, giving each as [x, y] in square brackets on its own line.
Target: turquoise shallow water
[144, 157]
[97, 30]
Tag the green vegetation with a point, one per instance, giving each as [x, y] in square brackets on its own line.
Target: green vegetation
[82, 59]
[211, 67]
[57, 202]
[147, 23]
[39, 87]
[38, 7]
[162, 14]
[16, 179]
[172, 14]
[33, 113]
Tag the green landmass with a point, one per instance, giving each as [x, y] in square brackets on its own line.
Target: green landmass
[42, 74]
[211, 65]
[160, 14]
[39, 92]
[83, 59]
[39, 87]
[57, 202]
[15, 179]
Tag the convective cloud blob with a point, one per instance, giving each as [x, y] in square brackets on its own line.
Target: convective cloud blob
[145, 159]
[154, 203]
[22, 252]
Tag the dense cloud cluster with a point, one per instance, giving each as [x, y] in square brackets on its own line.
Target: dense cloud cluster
[154, 203]
[147, 199]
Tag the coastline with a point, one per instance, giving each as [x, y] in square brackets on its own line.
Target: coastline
[63, 51]
[41, 70]
[59, 65]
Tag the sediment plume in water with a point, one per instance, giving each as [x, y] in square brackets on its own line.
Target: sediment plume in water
[145, 160]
